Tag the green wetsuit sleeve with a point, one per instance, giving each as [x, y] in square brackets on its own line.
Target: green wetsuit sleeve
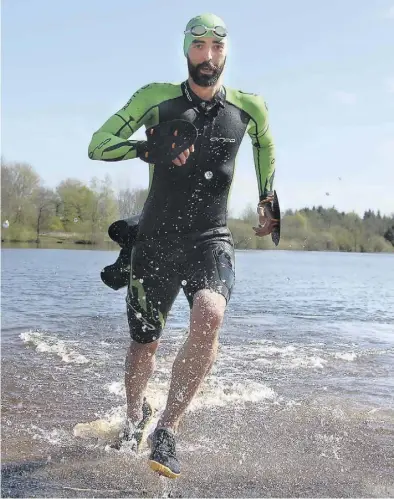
[263, 146]
[110, 142]
[259, 132]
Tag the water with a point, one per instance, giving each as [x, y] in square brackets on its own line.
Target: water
[299, 403]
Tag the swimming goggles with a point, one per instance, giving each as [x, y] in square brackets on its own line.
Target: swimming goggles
[201, 30]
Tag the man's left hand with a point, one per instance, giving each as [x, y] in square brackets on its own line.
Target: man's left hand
[267, 222]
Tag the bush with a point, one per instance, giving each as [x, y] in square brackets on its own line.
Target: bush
[243, 234]
[55, 224]
[377, 244]
[18, 234]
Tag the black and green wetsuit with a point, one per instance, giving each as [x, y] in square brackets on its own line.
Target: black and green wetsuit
[186, 205]
[193, 197]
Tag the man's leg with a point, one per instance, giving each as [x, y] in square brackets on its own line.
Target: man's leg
[152, 290]
[209, 279]
[195, 358]
[140, 365]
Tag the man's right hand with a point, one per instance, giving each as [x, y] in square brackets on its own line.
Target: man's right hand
[182, 158]
[169, 140]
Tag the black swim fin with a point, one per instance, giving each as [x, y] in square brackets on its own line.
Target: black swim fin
[124, 232]
[275, 234]
[117, 275]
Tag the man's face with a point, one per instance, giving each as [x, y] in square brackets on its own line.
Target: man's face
[206, 59]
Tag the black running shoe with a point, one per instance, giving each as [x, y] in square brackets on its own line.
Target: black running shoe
[135, 434]
[163, 456]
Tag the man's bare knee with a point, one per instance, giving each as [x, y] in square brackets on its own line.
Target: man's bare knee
[144, 347]
[207, 314]
[141, 351]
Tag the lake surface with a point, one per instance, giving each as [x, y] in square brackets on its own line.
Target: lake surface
[299, 403]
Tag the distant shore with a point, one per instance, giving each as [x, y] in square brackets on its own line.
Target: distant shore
[77, 215]
[59, 241]
[74, 241]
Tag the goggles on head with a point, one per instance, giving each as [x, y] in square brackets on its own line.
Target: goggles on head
[201, 30]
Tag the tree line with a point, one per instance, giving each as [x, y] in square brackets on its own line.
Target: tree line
[81, 213]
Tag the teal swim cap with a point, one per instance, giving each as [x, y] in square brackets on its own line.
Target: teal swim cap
[210, 21]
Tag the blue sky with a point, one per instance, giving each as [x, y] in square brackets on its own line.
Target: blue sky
[326, 70]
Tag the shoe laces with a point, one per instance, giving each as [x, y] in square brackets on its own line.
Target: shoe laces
[166, 441]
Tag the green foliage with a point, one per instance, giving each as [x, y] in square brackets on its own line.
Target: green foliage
[17, 233]
[83, 213]
[243, 234]
[76, 200]
[389, 235]
[55, 224]
[249, 215]
[19, 182]
[331, 230]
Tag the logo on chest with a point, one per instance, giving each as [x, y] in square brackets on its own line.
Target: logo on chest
[222, 140]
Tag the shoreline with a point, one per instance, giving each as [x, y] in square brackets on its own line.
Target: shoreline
[45, 243]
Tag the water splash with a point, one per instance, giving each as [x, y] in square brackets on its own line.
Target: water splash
[46, 343]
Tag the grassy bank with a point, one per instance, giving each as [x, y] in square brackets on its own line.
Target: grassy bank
[243, 235]
[57, 240]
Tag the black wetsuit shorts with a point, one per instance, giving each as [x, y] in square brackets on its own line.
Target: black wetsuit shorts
[161, 267]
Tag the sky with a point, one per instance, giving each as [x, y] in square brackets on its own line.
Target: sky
[325, 69]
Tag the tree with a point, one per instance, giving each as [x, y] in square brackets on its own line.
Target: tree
[131, 202]
[243, 234]
[354, 225]
[44, 202]
[103, 208]
[87, 210]
[250, 216]
[389, 235]
[75, 205]
[19, 181]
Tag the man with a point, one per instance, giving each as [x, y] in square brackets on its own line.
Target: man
[183, 240]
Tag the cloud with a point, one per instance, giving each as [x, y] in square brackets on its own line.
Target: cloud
[389, 14]
[347, 98]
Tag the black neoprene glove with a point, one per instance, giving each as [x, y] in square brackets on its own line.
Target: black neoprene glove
[166, 141]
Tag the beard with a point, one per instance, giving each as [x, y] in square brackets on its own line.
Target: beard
[204, 79]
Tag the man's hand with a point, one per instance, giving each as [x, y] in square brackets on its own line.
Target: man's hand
[182, 158]
[267, 222]
[168, 141]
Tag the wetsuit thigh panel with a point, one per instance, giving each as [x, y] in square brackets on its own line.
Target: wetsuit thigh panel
[210, 265]
[154, 285]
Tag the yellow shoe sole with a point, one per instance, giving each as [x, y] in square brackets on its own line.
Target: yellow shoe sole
[162, 470]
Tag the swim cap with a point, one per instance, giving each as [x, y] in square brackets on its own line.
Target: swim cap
[208, 20]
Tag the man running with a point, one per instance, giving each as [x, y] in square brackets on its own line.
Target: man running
[183, 241]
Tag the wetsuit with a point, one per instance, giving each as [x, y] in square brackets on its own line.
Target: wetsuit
[183, 239]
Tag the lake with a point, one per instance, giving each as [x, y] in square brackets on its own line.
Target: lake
[299, 403]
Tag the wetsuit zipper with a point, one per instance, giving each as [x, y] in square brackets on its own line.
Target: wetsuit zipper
[195, 188]
[206, 130]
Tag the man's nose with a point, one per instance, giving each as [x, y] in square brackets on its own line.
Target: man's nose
[208, 53]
